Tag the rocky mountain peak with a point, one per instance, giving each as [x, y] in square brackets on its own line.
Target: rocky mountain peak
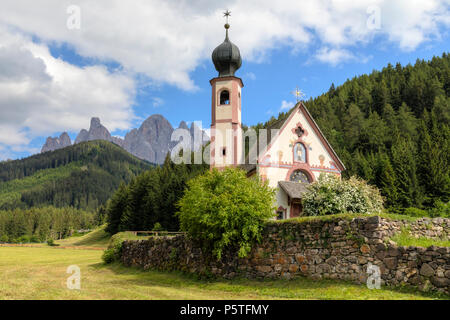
[52, 144]
[151, 141]
[95, 123]
[183, 125]
[96, 132]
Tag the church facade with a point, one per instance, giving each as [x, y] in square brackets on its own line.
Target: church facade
[296, 152]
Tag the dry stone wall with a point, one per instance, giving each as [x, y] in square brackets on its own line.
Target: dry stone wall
[334, 249]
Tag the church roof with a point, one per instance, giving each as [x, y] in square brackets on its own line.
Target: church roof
[281, 123]
[294, 190]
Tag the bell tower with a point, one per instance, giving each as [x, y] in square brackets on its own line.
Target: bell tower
[226, 125]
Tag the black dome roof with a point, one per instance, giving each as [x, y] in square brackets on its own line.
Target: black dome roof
[227, 57]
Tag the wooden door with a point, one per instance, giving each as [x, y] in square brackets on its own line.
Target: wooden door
[296, 210]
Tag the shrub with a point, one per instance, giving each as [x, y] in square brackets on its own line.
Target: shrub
[224, 209]
[114, 250]
[441, 209]
[52, 243]
[331, 195]
[415, 212]
[24, 239]
[157, 227]
[4, 239]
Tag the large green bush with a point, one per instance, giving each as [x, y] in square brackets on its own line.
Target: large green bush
[225, 209]
[331, 195]
[114, 250]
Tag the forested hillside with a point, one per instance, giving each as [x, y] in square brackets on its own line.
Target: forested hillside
[83, 176]
[392, 128]
[151, 198]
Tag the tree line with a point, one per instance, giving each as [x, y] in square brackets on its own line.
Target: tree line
[42, 224]
[151, 198]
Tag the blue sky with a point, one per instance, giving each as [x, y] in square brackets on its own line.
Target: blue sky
[127, 72]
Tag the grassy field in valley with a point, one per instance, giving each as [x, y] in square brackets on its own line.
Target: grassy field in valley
[40, 273]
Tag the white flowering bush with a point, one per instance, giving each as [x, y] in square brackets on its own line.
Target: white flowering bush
[331, 195]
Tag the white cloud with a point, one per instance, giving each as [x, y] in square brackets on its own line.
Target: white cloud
[334, 56]
[285, 105]
[40, 94]
[412, 22]
[166, 40]
[157, 102]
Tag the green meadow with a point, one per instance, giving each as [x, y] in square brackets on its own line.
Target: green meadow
[40, 273]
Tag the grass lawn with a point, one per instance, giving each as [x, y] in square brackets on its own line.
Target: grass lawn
[98, 238]
[40, 273]
[405, 238]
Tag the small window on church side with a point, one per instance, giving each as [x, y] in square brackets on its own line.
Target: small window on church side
[224, 152]
[225, 97]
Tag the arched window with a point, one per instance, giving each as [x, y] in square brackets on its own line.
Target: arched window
[225, 97]
[299, 152]
[299, 176]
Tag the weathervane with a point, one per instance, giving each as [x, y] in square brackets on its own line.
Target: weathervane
[298, 94]
[227, 14]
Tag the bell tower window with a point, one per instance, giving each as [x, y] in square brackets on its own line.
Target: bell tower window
[225, 97]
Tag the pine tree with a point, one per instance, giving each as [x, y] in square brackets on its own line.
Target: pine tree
[408, 193]
[117, 208]
[433, 163]
[386, 180]
[352, 124]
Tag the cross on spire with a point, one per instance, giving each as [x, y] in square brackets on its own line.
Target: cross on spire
[227, 14]
[298, 94]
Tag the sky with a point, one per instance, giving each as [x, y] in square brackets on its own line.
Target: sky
[63, 62]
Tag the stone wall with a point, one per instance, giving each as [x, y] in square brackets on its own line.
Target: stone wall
[334, 249]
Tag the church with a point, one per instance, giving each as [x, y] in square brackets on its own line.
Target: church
[295, 153]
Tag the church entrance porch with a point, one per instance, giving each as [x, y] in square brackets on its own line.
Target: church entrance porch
[294, 192]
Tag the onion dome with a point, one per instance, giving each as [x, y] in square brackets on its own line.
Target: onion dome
[227, 57]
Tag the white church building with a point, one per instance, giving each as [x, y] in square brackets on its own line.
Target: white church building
[296, 152]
